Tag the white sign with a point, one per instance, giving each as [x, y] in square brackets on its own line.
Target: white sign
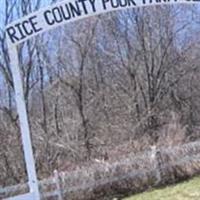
[68, 11]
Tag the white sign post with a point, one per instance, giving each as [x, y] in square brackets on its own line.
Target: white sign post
[39, 22]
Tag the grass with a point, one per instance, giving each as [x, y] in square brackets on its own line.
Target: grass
[189, 190]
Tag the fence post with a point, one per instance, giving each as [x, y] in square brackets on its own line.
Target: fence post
[155, 157]
[58, 184]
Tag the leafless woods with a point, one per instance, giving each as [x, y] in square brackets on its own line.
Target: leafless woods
[125, 78]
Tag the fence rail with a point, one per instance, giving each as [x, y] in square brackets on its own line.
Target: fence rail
[65, 183]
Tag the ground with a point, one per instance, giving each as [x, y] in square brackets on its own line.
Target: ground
[188, 190]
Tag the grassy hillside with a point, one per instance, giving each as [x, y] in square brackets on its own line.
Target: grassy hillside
[189, 190]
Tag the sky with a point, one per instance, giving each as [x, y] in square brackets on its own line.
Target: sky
[2, 9]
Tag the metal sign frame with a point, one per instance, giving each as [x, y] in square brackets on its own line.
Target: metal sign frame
[40, 22]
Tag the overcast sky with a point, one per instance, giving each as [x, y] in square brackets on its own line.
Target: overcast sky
[2, 10]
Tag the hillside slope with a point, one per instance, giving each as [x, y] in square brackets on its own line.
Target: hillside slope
[188, 190]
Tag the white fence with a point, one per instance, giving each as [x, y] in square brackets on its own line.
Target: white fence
[53, 183]
[65, 183]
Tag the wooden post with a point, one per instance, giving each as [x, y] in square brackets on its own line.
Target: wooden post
[58, 184]
[155, 159]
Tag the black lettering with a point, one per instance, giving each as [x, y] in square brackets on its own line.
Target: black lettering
[47, 18]
[57, 15]
[92, 2]
[34, 24]
[18, 25]
[84, 6]
[145, 1]
[12, 34]
[104, 3]
[25, 28]
[75, 10]
[64, 13]
[116, 4]
[132, 2]
[123, 4]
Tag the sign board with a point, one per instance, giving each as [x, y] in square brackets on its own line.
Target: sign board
[67, 11]
[39, 22]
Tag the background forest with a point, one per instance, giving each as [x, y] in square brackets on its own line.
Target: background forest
[101, 87]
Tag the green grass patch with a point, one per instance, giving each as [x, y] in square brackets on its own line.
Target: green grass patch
[188, 190]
